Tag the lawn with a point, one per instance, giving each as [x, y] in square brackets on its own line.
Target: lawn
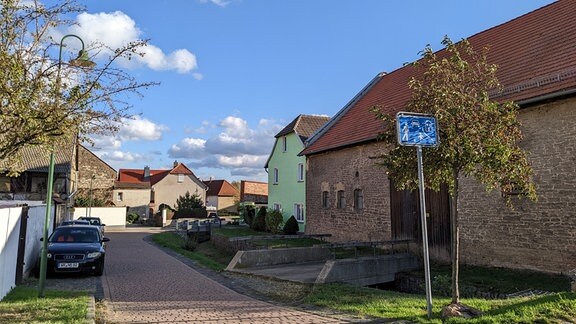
[22, 305]
[557, 307]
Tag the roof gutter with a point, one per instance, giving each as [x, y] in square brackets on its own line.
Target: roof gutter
[549, 96]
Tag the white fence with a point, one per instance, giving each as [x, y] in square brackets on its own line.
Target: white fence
[10, 222]
[113, 217]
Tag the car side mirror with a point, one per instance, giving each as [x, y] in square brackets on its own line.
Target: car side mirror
[102, 224]
[105, 239]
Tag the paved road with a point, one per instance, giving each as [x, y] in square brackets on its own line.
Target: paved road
[142, 284]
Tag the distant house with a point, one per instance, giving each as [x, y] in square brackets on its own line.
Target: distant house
[287, 170]
[222, 195]
[144, 190]
[78, 173]
[351, 198]
[254, 192]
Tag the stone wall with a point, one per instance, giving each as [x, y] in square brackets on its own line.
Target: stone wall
[535, 235]
[92, 169]
[348, 169]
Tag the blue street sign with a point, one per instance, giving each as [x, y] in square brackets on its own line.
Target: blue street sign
[416, 129]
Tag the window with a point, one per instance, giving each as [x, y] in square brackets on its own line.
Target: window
[275, 181]
[341, 203]
[300, 171]
[180, 178]
[284, 144]
[325, 201]
[119, 196]
[299, 212]
[278, 207]
[358, 199]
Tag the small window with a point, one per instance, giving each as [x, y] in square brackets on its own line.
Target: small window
[300, 171]
[276, 177]
[278, 207]
[180, 178]
[299, 212]
[358, 199]
[284, 144]
[341, 199]
[120, 196]
[325, 201]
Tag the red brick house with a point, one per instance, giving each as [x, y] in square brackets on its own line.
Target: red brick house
[351, 198]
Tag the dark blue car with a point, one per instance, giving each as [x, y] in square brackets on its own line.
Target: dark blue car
[76, 248]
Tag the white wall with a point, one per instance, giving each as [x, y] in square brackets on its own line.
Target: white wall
[9, 231]
[34, 231]
[113, 217]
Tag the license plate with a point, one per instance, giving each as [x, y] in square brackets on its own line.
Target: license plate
[68, 265]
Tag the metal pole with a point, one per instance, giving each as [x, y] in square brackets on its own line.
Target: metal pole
[90, 204]
[424, 232]
[44, 256]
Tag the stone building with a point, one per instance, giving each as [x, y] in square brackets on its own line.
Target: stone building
[351, 198]
[95, 177]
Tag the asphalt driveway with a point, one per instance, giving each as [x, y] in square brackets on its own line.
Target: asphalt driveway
[143, 284]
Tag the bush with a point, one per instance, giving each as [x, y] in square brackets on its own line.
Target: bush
[259, 223]
[190, 242]
[273, 220]
[132, 217]
[291, 227]
[249, 215]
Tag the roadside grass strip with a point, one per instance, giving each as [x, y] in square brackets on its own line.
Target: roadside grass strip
[22, 305]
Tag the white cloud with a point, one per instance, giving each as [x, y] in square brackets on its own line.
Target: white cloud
[119, 156]
[221, 3]
[251, 161]
[140, 129]
[117, 29]
[188, 148]
[105, 143]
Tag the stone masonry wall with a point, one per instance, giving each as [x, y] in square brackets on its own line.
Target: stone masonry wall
[536, 235]
[348, 169]
[89, 165]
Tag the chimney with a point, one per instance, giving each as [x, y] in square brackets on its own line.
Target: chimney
[175, 163]
[146, 173]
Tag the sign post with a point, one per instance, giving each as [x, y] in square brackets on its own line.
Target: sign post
[420, 130]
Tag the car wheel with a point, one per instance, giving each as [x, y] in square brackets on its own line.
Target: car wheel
[99, 269]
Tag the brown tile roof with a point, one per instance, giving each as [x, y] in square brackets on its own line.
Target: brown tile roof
[304, 126]
[535, 54]
[253, 191]
[221, 188]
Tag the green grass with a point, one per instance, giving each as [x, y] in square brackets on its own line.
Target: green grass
[369, 302]
[237, 231]
[22, 305]
[205, 254]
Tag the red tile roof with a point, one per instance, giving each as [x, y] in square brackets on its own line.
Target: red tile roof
[137, 175]
[221, 188]
[535, 54]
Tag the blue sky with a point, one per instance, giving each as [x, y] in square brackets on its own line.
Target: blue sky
[233, 73]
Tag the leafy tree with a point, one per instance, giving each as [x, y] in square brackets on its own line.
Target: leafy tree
[259, 222]
[83, 201]
[478, 137]
[248, 213]
[42, 101]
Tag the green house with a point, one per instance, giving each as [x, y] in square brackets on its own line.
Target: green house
[286, 170]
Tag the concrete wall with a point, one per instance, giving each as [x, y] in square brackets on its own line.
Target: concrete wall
[9, 231]
[113, 217]
[536, 235]
[34, 231]
[348, 169]
[288, 191]
[257, 258]
[222, 203]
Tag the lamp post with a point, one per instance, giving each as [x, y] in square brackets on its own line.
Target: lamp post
[82, 61]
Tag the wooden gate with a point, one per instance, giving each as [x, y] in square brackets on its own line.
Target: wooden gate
[405, 213]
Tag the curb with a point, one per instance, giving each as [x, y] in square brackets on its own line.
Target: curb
[91, 310]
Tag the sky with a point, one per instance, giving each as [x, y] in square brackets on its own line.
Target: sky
[233, 73]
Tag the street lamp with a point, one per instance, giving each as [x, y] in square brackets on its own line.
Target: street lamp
[82, 61]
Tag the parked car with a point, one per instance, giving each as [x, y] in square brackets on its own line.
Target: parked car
[75, 222]
[76, 248]
[94, 221]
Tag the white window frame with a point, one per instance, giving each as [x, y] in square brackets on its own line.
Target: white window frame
[120, 196]
[180, 177]
[300, 172]
[278, 207]
[299, 212]
[276, 176]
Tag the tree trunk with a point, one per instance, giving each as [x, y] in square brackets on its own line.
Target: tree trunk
[455, 241]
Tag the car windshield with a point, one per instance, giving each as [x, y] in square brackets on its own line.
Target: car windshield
[75, 235]
[93, 221]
